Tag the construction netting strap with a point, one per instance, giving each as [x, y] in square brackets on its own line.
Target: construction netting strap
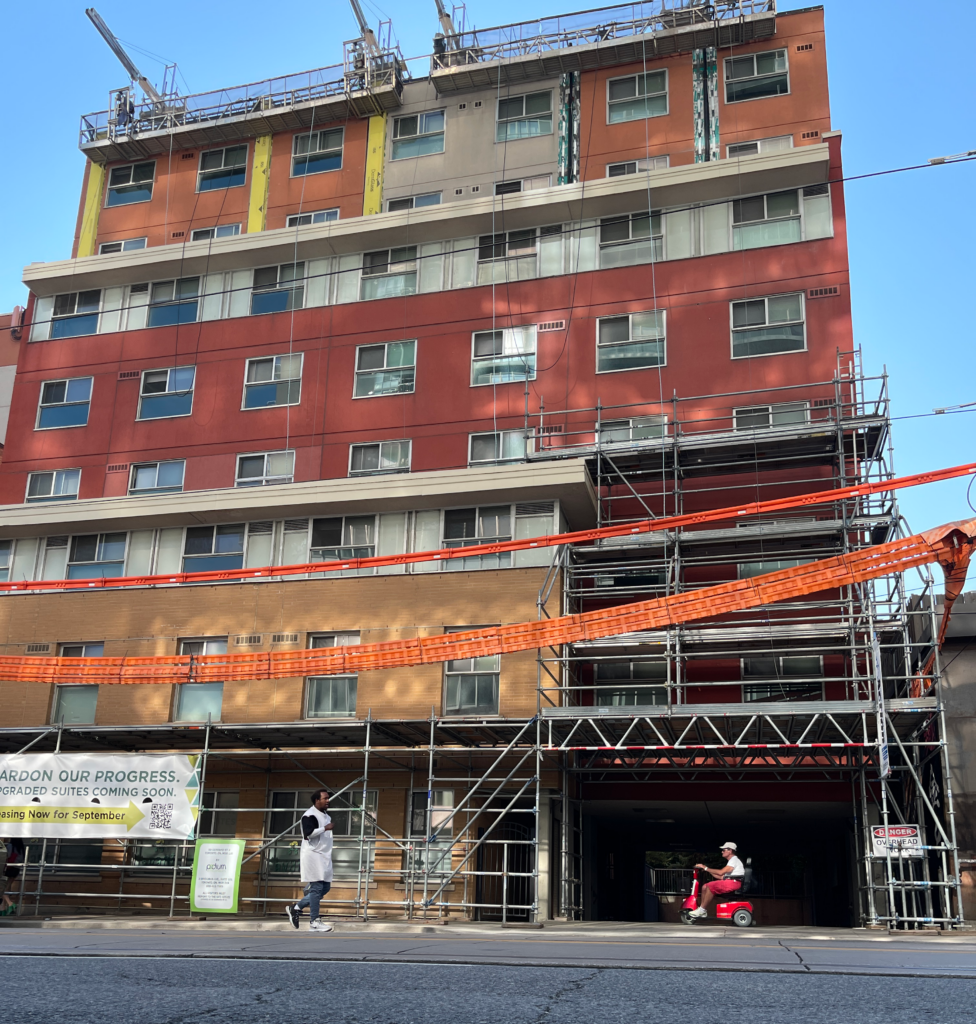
[950, 545]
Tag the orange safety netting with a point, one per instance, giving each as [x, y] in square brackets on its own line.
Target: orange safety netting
[951, 545]
[446, 554]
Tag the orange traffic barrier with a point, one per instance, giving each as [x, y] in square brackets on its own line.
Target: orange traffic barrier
[951, 545]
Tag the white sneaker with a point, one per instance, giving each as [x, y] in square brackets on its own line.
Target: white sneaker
[700, 912]
[320, 926]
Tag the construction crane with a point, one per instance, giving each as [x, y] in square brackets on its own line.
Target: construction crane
[116, 47]
[368, 36]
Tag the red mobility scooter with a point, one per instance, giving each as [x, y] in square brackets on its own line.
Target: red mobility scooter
[728, 906]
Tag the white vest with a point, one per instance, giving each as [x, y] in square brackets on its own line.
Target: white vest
[316, 853]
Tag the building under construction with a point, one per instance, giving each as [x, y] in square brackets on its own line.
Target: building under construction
[589, 274]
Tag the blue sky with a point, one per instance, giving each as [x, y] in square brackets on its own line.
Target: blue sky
[899, 93]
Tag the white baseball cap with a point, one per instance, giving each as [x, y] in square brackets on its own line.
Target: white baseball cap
[729, 846]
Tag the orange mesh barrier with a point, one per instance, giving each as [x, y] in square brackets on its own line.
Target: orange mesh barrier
[950, 545]
[446, 554]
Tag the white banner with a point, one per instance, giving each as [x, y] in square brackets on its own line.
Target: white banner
[60, 796]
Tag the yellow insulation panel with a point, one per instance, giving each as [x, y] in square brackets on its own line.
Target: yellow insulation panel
[375, 156]
[93, 207]
[257, 210]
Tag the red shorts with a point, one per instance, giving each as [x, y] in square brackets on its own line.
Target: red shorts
[723, 885]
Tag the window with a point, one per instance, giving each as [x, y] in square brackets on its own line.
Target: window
[157, 477]
[762, 327]
[749, 570]
[389, 272]
[300, 220]
[222, 168]
[277, 289]
[637, 96]
[502, 357]
[124, 246]
[265, 468]
[74, 704]
[174, 302]
[6, 551]
[630, 683]
[496, 447]
[631, 342]
[628, 240]
[507, 257]
[209, 548]
[64, 403]
[388, 369]
[766, 220]
[471, 685]
[785, 678]
[653, 163]
[97, 556]
[418, 135]
[331, 696]
[465, 527]
[343, 537]
[166, 393]
[220, 231]
[504, 188]
[276, 380]
[756, 76]
[639, 428]
[219, 816]
[758, 146]
[59, 485]
[760, 417]
[75, 314]
[435, 856]
[132, 183]
[379, 458]
[523, 117]
[414, 202]
[196, 702]
[316, 152]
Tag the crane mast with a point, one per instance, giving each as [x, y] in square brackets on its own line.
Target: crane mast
[116, 47]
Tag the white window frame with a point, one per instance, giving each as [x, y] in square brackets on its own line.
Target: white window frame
[168, 370]
[109, 187]
[654, 238]
[530, 184]
[294, 286]
[749, 99]
[266, 479]
[403, 267]
[741, 330]
[138, 492]
[473, 669]
[98, 550]
[512, 348]
[499, 121]
[177, 300]
[630, 424]
[189, 561]
[357, 373]
[178, 694]
[781, 677]
[380, 445]
[215, 232]
[52, 497]
[642, 166]
[319, 133]
[223, 151]
[57, 317]
[762, 145]
[767, 219]
[645, 75]
[395, 137]
[97, 651]
[125, 245]
[316, 642]
[500, 437]
[275, 360]
[344, 550]
[412, 200]
[771, 409]
[662, 318]
[42, 405]
[297, 220]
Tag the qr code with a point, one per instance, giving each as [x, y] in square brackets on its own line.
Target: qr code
[161, 816]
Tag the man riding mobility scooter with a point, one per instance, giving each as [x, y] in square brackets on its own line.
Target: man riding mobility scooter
[733, 878]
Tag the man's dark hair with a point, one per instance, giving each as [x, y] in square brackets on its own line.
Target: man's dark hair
[318, 794]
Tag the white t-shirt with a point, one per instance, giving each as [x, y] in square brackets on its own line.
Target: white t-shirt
[738, 870]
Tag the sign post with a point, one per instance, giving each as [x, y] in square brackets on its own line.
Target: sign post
[216, 880]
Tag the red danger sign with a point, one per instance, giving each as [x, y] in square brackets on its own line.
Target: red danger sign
[899, 840]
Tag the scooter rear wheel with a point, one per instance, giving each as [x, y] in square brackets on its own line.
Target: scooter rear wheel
[686, 917]
[742, 918]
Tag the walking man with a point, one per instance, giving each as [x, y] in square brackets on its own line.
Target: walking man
[316, 862]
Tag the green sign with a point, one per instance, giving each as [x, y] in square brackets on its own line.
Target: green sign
[216, 877]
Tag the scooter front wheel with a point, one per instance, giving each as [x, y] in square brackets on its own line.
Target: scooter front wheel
[686, 917]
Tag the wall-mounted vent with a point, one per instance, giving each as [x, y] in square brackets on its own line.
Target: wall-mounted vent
[535, 508]
[129, 374]
[553, 325]
[247, 641]
[810, 135]
[462, 106]
[477, 103]
[504, 188]
[38, 648]
[816, 190]
[296, 526]
[117, 467]
[258, 529]
[557, 429]
[459, 191]
[177, 234]
[822, 403]
[284, 638]
[803, 47]
[57, 542]
[475, 188]
[820, 293]
[188, 156]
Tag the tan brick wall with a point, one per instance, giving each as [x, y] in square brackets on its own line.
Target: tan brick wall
[150, 622]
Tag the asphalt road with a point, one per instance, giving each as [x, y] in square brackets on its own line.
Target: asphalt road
[39, 989]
